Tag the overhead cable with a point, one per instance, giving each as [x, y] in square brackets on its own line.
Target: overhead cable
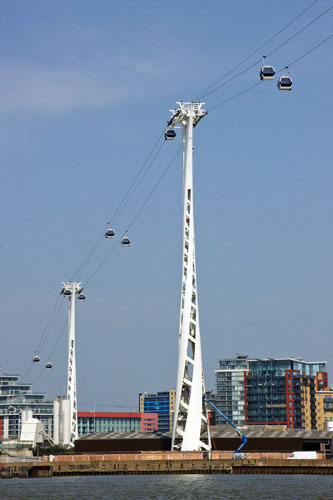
[126, 198]
[45, 334]
[279, 71]
[136, 215]
[269, 54]
[202, 94]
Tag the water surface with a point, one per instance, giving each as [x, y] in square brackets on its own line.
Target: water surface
[171, 487]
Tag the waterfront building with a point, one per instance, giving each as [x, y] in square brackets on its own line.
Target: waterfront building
[95, 422]
[230, 389]
[162, 403]
[269, 391]
[324, 408]
[16, 398]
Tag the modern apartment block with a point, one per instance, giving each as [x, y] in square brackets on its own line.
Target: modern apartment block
[92, 422]
[230, 392]
[269, 391]
[16, 397]
[162, 403]
[324, 408]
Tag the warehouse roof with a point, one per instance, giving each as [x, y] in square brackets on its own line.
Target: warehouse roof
[222, 432]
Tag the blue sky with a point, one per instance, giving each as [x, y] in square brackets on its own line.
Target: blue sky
[85, 92]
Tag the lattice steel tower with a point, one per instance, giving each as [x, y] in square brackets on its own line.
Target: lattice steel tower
[190, 416]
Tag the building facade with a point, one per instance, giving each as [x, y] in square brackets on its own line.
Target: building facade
[16, 397]
[230, 392]
[94, 422]
[269, 391]
[162, 403]
[324, 408]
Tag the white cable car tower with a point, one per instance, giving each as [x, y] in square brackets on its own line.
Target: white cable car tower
[71, 290]
[190, 416]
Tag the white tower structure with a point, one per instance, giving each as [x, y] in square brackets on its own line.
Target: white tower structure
[71, 290]
[190, 416]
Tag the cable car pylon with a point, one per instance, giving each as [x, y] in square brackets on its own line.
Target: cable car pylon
[71, 290]
[190, 424]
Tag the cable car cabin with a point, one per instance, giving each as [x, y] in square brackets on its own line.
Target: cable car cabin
[109, 233]
[267, 73]
[284, 83]
[170, 135]
[48, 365]
[81, 297]
[36, 359]
[125, 241]
[11, 408]
[68, 293]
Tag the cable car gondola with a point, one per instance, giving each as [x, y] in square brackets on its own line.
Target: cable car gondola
[81, 297]
[170, 135]
[125, 241]
[109, 233]
[267, 73]
[67, 292]
[11, 408]
[285, 83]
[36, 359]
[48, 365]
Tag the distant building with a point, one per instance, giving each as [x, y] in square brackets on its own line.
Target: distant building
[162, 403]
[230, 393]
[269, 391]
[324, 408]
[94, 422]
[17, 397]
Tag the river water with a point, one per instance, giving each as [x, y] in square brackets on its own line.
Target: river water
[170, 487]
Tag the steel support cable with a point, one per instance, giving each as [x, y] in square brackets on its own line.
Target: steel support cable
[128, 195]
[102, 262]
[136, 216]
[39, 376]
[126, 198]
[88, 255]
[58, 338]
[41, 344]
[234, 96]
[200, 96]
[60, 305]
[269, 54]
[279, 71]
[51, 353]
[306, 53]
[154, 188]
[300, 31]
[44, 335]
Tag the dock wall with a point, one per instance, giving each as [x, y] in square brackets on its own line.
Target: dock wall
[165, 466]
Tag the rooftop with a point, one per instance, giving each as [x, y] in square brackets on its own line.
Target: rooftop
[222, 431]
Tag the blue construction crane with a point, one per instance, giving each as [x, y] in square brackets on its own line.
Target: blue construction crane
[239, 432]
